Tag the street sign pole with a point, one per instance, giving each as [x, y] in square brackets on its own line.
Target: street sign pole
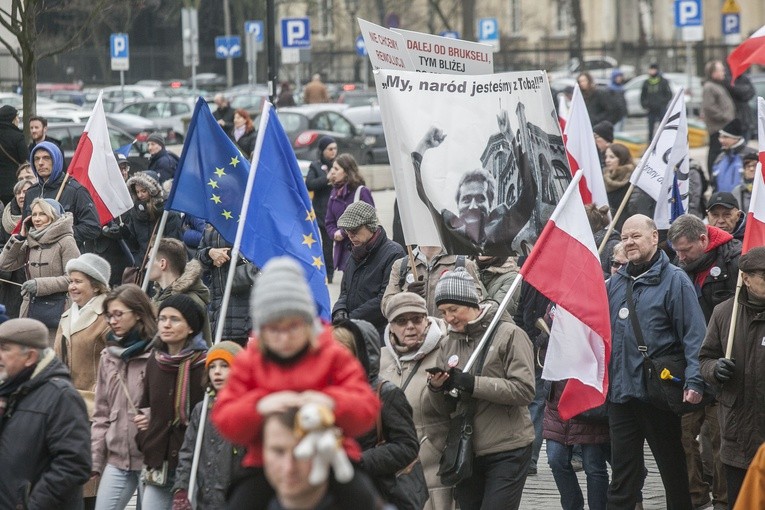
[122, 84]
[271, 49]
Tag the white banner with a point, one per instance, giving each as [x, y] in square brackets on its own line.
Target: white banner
[436, 54]
[386, 48]
[478, 161]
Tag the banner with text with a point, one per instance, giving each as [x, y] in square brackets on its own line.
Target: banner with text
[386, 48]
[436, 54]
[480, 155]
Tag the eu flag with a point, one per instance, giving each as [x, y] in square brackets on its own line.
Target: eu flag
[210, 183]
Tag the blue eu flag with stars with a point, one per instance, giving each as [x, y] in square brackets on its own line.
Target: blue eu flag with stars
[210, 183]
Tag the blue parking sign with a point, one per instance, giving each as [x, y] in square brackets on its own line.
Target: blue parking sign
[296, 33]
[688, 13]
[228, 47]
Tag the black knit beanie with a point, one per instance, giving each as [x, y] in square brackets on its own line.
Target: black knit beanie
[191, 311]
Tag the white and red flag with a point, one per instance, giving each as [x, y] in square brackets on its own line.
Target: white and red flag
[751, 51]
[565, 267]
[582, 152]
[95, 167]
[754, 234]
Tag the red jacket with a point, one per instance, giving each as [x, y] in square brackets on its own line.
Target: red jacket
[329, 368]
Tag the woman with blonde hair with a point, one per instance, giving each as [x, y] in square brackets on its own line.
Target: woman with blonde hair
[9, 293]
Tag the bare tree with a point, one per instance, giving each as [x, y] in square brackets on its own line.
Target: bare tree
[27, 44]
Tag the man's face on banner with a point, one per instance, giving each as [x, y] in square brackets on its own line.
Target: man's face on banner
[474, 201]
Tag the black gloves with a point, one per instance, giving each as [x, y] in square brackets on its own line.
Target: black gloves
[339, 316]
[418, 287]
[463, 381]
[724, 369]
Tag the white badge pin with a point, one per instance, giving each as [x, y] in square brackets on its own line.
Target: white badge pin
[453, 361]
[410, 278]
[624, 313]
[715, 272]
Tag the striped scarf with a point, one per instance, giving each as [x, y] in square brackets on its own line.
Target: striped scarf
[192, 356]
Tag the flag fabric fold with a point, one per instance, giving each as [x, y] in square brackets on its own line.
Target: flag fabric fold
[210, 183]
[751, 51]
[564, 266]
[754, 234]
[582, 152]
[95, 167]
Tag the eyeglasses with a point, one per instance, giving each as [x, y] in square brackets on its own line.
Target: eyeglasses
[617, 265]
[403, 321]
[116, 314]
[353, 231]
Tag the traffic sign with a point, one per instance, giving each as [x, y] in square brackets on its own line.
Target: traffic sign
[361, 47]
[254, 27]
[488, 32]
[190, 35]
[296, 33]
[731, 7]
[731, 22]
[119, 49]
[689, 17]
[451, 34]
[228, 47]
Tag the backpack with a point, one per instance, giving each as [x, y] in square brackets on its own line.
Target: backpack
[404, 269]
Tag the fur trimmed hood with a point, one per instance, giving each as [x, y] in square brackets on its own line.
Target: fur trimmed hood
[148, 182]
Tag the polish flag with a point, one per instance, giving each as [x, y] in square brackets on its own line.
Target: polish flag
[565, 267]
[754, 235]
[751, 51]
[582, 152]
[95, 167]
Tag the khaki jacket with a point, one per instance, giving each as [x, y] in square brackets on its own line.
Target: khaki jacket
[432, 425]
[505, 387]
[79, 346]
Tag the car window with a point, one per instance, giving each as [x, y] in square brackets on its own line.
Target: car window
[118, 139]
[63, 136]
[156, 111]
[180, 108]
[340, 124]
[135, 109]
[290, 121]
[321, 122]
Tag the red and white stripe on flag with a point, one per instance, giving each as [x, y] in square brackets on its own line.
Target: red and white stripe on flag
[565, 267]
[95, 167]
[582, 152]
[754, 235]
[751, 51]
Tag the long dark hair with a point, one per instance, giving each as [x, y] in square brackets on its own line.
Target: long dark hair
[139, 303]
[353, 176]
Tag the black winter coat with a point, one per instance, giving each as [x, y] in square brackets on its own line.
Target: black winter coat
[138, 229]
[45, 442]
[316, 181]
[573, 431]
[110, 246]
[164, 163]
[13, 152]
[364, 282]
[246, 142]
[237, 324]
[720, 287]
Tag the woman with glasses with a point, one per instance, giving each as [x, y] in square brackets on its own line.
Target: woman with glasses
[347, 188]
[412, 339]
[119, 387]
[174, 375]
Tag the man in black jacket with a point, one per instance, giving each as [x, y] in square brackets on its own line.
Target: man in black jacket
[366, 275]
[13, 150]
[654, 97]
[44, 427]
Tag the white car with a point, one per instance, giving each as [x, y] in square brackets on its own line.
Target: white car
[600, 67]
[676, 80]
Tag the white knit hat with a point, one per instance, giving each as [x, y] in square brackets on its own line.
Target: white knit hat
[281, 291]
[93, 266]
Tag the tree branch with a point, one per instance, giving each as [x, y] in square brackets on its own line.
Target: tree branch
[76, 39]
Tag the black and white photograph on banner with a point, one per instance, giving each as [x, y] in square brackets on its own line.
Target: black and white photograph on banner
[481, 157]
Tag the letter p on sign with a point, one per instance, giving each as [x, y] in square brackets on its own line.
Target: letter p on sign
[296, 33]
[687, 13]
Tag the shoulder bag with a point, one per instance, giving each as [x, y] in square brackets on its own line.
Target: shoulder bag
[48, 309]
[663, 392]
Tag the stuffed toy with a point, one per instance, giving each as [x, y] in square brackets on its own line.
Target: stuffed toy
[322, 441]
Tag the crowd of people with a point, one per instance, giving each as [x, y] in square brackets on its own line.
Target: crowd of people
[423, 390]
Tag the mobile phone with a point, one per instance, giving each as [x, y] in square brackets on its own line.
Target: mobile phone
[435, 370]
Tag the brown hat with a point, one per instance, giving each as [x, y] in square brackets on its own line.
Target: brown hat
[27, 332]
[751, 261]
[404, 302]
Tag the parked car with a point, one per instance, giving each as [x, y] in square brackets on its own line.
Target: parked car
[598, 66]
[166, 113]
[306, 124]
[250, 100]
[68, 134]
[370, 119]
[132, 92]
[676, 80]
[358, 97]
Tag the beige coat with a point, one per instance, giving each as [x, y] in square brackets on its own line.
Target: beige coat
[432, 426]
[505, 387]
[78, 345]
[45, 258]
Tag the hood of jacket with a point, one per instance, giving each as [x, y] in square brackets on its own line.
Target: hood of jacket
[367, 341]
[508, 266]
[717, 238]
[190, 282]
[55, 232]
[58, 161]
[148, 183]
[436, 332]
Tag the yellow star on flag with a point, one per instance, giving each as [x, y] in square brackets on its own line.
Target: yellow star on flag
[310, 215]
[227, 214]
[216, 199]
[308, 239]
[212, 183]
[235, 161]
[219, 172]
[317, 262]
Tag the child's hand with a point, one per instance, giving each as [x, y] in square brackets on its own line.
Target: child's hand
[279, 402]
[316, 397]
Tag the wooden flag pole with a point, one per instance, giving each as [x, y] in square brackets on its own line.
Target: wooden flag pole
[619, 212]
[61, 188]
[734, 316]
[411, 261]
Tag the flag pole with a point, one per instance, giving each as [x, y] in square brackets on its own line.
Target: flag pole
[61, 188]
[267, 112]
[734, 316]
[411, 261]
[154, 249]
[639, 170]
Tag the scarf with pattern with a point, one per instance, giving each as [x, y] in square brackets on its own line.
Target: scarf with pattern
[191, 356]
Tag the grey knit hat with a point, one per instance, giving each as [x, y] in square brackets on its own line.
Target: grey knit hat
[281, 291]
[358, 214]
[457, 287]
[92, 265]
[157, 138]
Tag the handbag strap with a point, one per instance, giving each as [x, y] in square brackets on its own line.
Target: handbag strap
[357, 194]
[121, 380]
[411, 374]
[9, 156]
[148, 249]
[634, 319]
[378, 421]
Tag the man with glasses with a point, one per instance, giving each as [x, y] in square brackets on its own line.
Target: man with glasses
[366, 275]
[738, 378]
[48, 167]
